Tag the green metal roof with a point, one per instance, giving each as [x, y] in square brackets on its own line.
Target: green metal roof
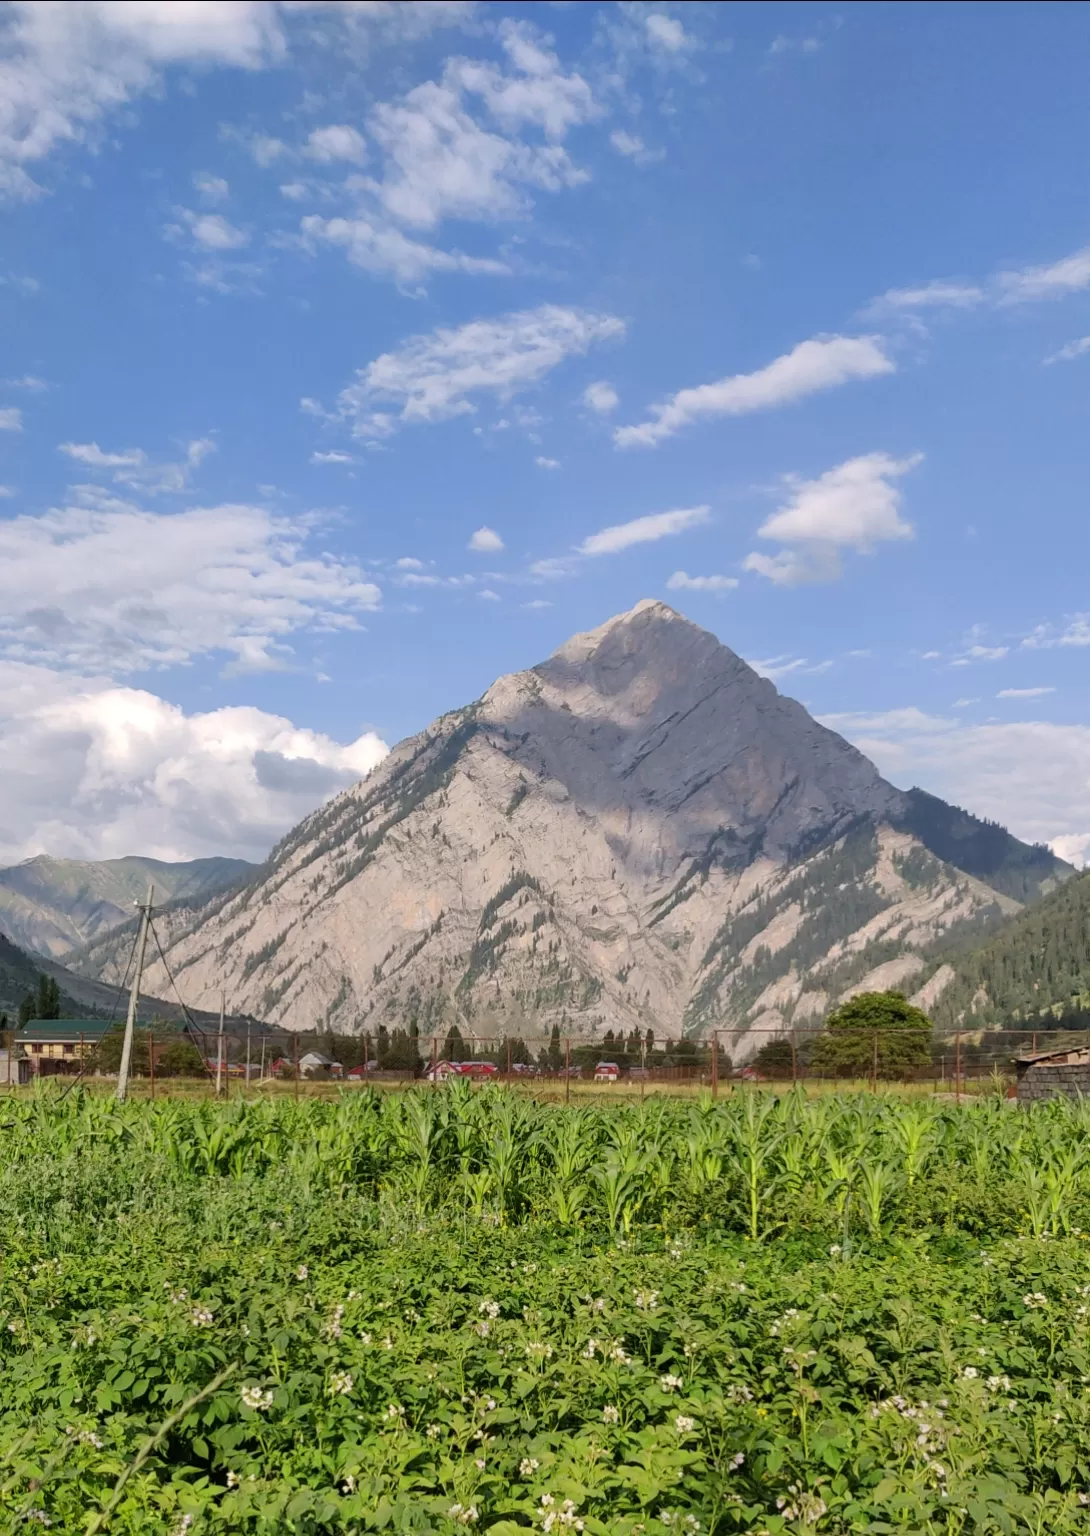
[63, 1030]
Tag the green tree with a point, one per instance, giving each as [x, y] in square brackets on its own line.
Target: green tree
[774, 1059]
[454, 1047]
[43, 1003]
[556, 1055]
[403, 1052]
[881, 1028]
[179, 1058]
[107, 1057]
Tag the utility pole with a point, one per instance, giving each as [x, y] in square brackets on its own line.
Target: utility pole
[219, 1052]
[247, 1052]
[261, 1076]
[130, 1017]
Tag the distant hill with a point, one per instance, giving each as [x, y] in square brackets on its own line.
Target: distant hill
[638, 832]
[19, 975]
[50, 906]
[1040, 960]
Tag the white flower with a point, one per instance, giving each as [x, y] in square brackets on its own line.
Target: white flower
[480, 1463]
[489, 1309]
[483, 1329]
[233, 1479]
[393, 1412]
[737, 1460]
[200, 1317]
[969, 1372]
[617, 1352]
[670, 1383]
[463, 1514]
[684, 1424]
[588, 1353]
[349, 1484]
[834, 1250]
[340, 1384]
[433, 1431]
[253, 1397]
[38, 1516]
[998, 1383]
[611, 1415]
[539, 1351]
[565, 1517]
[1035, 1299]
[365, 1338]
[647, 1301]
[302, 1272]
[528, 1466]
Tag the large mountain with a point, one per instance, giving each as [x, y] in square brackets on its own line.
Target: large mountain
[638, 831]
[52, 905]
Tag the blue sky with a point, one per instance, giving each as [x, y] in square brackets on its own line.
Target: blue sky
[356, 354]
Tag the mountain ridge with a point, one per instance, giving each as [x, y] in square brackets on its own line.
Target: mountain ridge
[638, 831]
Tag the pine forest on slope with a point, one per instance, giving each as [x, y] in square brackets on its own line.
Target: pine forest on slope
[638, 832]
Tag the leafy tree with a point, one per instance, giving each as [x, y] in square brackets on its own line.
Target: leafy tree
[774, 1059]
[107, 1057]
[556, 1055]
[454, 1047]
[180, 1058]
[403, 1052]
[44, 1003]
[882, 1027]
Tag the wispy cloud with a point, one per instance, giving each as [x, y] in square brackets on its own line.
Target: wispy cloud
[132, 466]
[11, 419]
[1056, 280]
[434, 377]
[1023, 693]
[822, 363]
[643, 530]
[1072, 349]
[681, 581]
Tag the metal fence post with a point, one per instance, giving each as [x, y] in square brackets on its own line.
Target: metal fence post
[957, 1066]
[715, 1063]
[567, 1071]
[794, 1060]
[151, 1063]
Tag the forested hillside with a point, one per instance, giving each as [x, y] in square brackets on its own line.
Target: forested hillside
[1040, 961]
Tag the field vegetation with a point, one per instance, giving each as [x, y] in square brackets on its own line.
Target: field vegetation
[437, 1311]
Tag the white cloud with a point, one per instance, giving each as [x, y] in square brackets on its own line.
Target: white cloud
[939, 294]
[775, 667]
[408, 563]
[65, 68]
[1075, 848]
[981, 653]
[6, 492]
[537, 603]
[378, 247]
[667, 33]
[965, 703]
[11, 419]
[1072, 349]
[1046, 636]
[1033, 777]
[28, 382]
[1055, 281]
[601, 397]
[131, 467]
[334, 456]
[643, 530]
[1023, 693]
[785, 44]
[543, 463]
[431, 378]
[295, 191]
[111, 586]
[213, 189]
[486, 541]
[211, 231]
[681, 581]
[853, 506]
[338, 141]
[489, 596]
[93, 455]
[633, 148]
[821, 363]
[92, 770]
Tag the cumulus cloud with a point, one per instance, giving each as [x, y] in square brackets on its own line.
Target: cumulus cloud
[118, 588]
[213, 189]
[64, 69]
[822, 363]
[666, 32]
[334, 456]
[378, 247]
[92, 770]
[1075, 632]
[1033, 777]
[431, 378]
[486, 541]
[337, 141]
[681, 581]
[853, 506]
[633, 148]
[212, 232]
[543, 462]
[601, 397]
[643, 530]
[11, 419]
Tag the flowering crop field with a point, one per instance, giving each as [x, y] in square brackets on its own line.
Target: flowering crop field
[459, 1309]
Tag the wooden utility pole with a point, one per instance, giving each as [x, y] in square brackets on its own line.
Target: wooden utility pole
[435, 1061]
[151, 1061]
[715, 1063]
[219, 1050]
[261, 1074]
[247, 1052]
[874, 1063]
[130, 1017]
[567, 1071]
[794, 1058]
[957, 1066]
[295, 1057]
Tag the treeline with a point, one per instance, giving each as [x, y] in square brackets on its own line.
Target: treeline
[1037, 967]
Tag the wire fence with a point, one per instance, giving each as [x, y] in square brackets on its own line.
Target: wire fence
[956, 1062]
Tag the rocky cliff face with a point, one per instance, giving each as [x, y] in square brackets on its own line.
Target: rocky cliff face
[638, 832]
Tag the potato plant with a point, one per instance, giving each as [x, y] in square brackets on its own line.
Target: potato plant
[451, 1310]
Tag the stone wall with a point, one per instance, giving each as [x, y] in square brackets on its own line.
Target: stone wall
[1047, 1082]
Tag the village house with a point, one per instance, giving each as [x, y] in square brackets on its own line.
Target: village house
[1053, 1074]
[57, 1046]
